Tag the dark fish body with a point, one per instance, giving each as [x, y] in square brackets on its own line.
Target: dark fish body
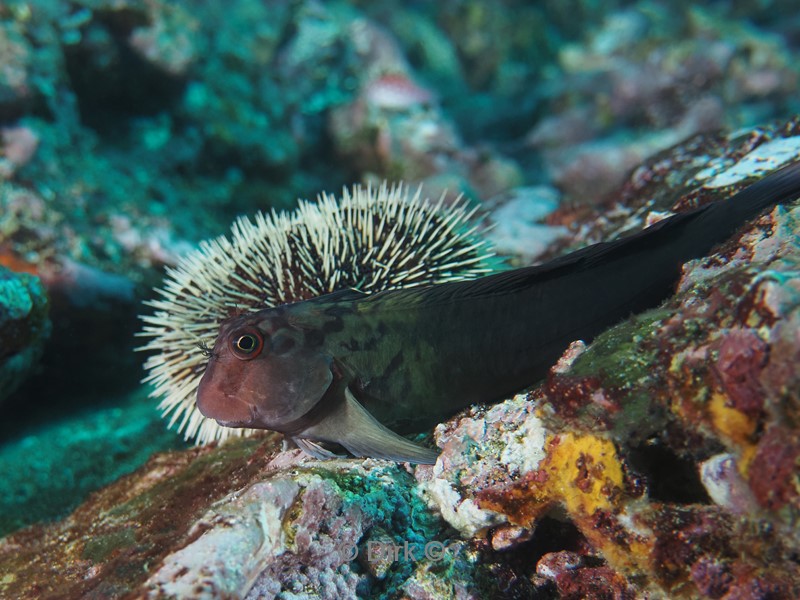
[410, 358]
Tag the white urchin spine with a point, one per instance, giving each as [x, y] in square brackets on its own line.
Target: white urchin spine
[370, 240]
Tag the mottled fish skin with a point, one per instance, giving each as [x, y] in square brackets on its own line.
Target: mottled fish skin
[356, 369]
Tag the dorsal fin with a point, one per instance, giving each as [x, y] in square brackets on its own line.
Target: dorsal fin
[508, 282]
[682, 237]
[346, 295]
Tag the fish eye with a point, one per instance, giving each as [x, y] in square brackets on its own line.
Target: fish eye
[247, 344]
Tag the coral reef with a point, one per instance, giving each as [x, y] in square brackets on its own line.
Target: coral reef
[671, 442]
[622, 95]
[394, 128]
[242, 518]
[90, 307]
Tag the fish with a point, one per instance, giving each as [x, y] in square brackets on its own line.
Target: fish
[362, 371]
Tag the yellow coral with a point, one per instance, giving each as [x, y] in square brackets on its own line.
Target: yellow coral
[730, 422]
[585, 473]
[581, 471]
[734, 425]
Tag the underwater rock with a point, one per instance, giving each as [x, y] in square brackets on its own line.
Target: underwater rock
[93, 302]
[699, 398]
[575, 577]
[47, 471]
[132, 58]
[24, 327]
[91, 311]
[517, 222]
[698, 170]
[671, 442]
[660, 459]
[243, 520]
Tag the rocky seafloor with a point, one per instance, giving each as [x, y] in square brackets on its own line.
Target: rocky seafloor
[662, 460]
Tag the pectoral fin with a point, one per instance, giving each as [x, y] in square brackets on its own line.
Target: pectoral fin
[315, 450]
[352, 426]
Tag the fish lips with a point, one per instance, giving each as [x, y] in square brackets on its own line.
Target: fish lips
[225, 408]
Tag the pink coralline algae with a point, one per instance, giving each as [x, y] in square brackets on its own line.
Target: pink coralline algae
[574, 577]
[774, 472]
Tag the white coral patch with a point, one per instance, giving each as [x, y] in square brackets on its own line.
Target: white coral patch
[463, 514]
[485, 448]
[525, 447]
[244, 533]
[724, 484]
[764, 159]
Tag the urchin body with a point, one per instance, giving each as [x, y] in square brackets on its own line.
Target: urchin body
[371, 240]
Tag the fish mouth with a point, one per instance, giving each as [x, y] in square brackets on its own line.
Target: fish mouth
[251, 422]
[232, 423]
[225, 409]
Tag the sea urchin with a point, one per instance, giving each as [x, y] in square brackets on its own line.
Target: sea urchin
[371, 240]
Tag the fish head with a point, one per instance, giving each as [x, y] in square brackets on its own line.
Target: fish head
[263, 373]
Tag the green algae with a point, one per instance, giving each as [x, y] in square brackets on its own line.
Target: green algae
[638, 418]
[618, 355]
[388, 500]
[130, 525]
[622, 358]
[389, 503]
